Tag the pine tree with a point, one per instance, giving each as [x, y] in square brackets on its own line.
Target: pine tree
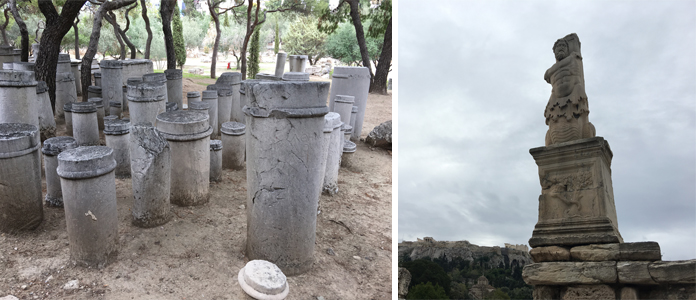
[254, 51]
[179, 45]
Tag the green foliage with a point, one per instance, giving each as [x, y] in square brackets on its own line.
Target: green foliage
[226, 20]
[424, 270]
[459, 291]
[427, 291]
[498, 294]
[179, 46]
[190, 9]
[343, 45]
[303, 38]
[254, 51]
[379, 19]
[276, 42]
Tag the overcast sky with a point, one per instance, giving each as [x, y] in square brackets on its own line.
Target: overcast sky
[471, 101]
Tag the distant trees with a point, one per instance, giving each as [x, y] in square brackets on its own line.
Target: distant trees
[254, 51]
[427, 291]
[303, 38]
[179, 45]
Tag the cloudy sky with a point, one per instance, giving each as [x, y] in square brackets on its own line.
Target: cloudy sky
[471, 102]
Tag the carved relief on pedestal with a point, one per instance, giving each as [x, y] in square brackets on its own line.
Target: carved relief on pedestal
[567, 195]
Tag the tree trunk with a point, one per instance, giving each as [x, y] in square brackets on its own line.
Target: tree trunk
[216, 45]
[3, 27]
[379, 85]
[143, 5]
[121, 44]
[111, 18]
[360, 34]
[22, 29]
[77, 38]
[56, 28]
[166, 10]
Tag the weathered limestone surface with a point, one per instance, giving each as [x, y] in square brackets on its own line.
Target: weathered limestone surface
[353, 115]
[568, 273]
[112, 80]
[634, 272]
[343, 105]
[450, 250]
[352, 81]
[67, 111]
[51, 148]
[649, 251]
[94, 91]
[550, 253]
[193, 97]
[151, 171]
[595, 252]
[546, 292]
[263, 280]
[188, 134]
[380, 136]
[101, 112]
[280, 63]
[228, 85]
[135, 68]
[215, 160]
[628, 293]
[175, 86]
[404, 281]
[85, 124]
[75, 68]
[233, 145]
[115, 109]
[243, 101]
[116, 134]
[295, 76]
[284, 150]
[47, 123]
[21, 206]
[211, 97]
[348, 151]
[171, 106]
[87, 179]
[65, 85]
[97, 78]
[680, 271]
[18, 102]
[333, 156]
[670, 291]
[588, 292]
[146, 101]
[576, 205]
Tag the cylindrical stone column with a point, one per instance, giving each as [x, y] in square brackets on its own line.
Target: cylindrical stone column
[110, 118]
[146, 101]
[228, 94]
[188, 134]
[333, 157]
[47, 123]
[6, 54]
[242, 95]
[151, 171]
[303, 63]
[174, 86]
[343, 105]
[295, 76]
[294, 61]
[192, 97]
[89, 187]
[329, 120]
[159, 78]
[347, 131]
[18, 102]
[201, 107]
[348, 152]
[284, 152]
[280, 64]
[233, 145]
[85, 124]
[23, 66]
[97, 79]
[224, 103]
[124, 103]
[67, 109]
[112, 81]
[352, 81]
[75, 69]
[51, 148]
[211, 97]
[99, 104]
[215, 160]
[115, 109]
[94, 91]
[116, 134]
[353, 115]
[129, 81]
[65, 92]
[20, 177]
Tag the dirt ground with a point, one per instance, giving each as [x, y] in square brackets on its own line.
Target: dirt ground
[198, 254]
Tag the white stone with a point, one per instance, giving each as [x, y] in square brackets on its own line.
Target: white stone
[263, 280]
[72, 285]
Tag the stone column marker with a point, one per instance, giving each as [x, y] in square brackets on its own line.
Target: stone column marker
[151, 171]
[51, 148]
[75, 68]
[124, 103]
[284, 152]
[136, 68]
[343, 105]
[215, 160]
[188, 134]
[174, 86]
[348, 152]
[224, 107]
[85, 124]
[201, 107]
[116, 134]
[352, 81]
[94, 91]
[146, 101]
[263, 280]
[115, 109]
[97, 79]
[171, 106]
[333, 157]
[67, 111]
[234, 145]
[87, 179]
[21, 206]
[18, 102]
[193, 97]
[211, 97]
[230, 82]
[280, 64]
[47, 123]
[65, 85]
[353, 115]
[161, 79]
[112, 80]
[101, 112]
[242, 96]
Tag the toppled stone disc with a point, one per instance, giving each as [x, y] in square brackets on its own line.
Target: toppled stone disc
[263, 280]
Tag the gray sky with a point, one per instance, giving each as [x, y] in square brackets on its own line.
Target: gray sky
[471, 102]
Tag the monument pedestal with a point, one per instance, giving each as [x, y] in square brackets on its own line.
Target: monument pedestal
[576, 205]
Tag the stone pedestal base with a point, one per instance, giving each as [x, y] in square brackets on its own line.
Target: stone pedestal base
[576, 205]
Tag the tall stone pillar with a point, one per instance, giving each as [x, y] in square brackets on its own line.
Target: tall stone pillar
[161, 79]
[230, 82]
[85, 124]
[65, 85]
[333, 156]
[112, 81]
[87, 179]
[234, 145]
[6, 54]
[67, 110]
[101, 112]
[75, 68]
[193, 96]
[146, 101]
[224, 106]
[21, 206]
[51, 148]
[284, 152]
[136, 68]
[117, 136]
[280, 64]
[174, 86]
[352, 81]
[188, 134]
[98, 79]
[18, 103]
[47, 123]
[343, 105]
[215, 160]
[211, 97]
[151, 171]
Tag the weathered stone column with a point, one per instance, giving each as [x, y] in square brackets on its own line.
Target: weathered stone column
[347, 131]
[21, 205]
[85, 124]
[215, 160]
[295, 76]
[353, 115]
[188, 134]
[99, 104]
[18, 102]
[124, 102]
[234, 145]
[34, 52]
[211, 97]
[51, 148]
[161, 79]
[333, 157]
[343, 105]
[67, 109]
[136, 68]
[242, 95]
[304, 59]
[192, 97]
[116, 134]
[171, 106]
[151, 171]
[352, 81]
[228, 94]
[224, 102]
[75, 69]
[65, 92]
[94, 91]
[292, 61]
[98, 78]
[129, 81]
[326, 137]
[87, 179]
[280, 64]
[23, 66]
[284, 151]
[201, 107]
[146, 101]
[112, 83]
[348, 152]
[115, 109]
[47, 123]
[6, 54]
[175, 86]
